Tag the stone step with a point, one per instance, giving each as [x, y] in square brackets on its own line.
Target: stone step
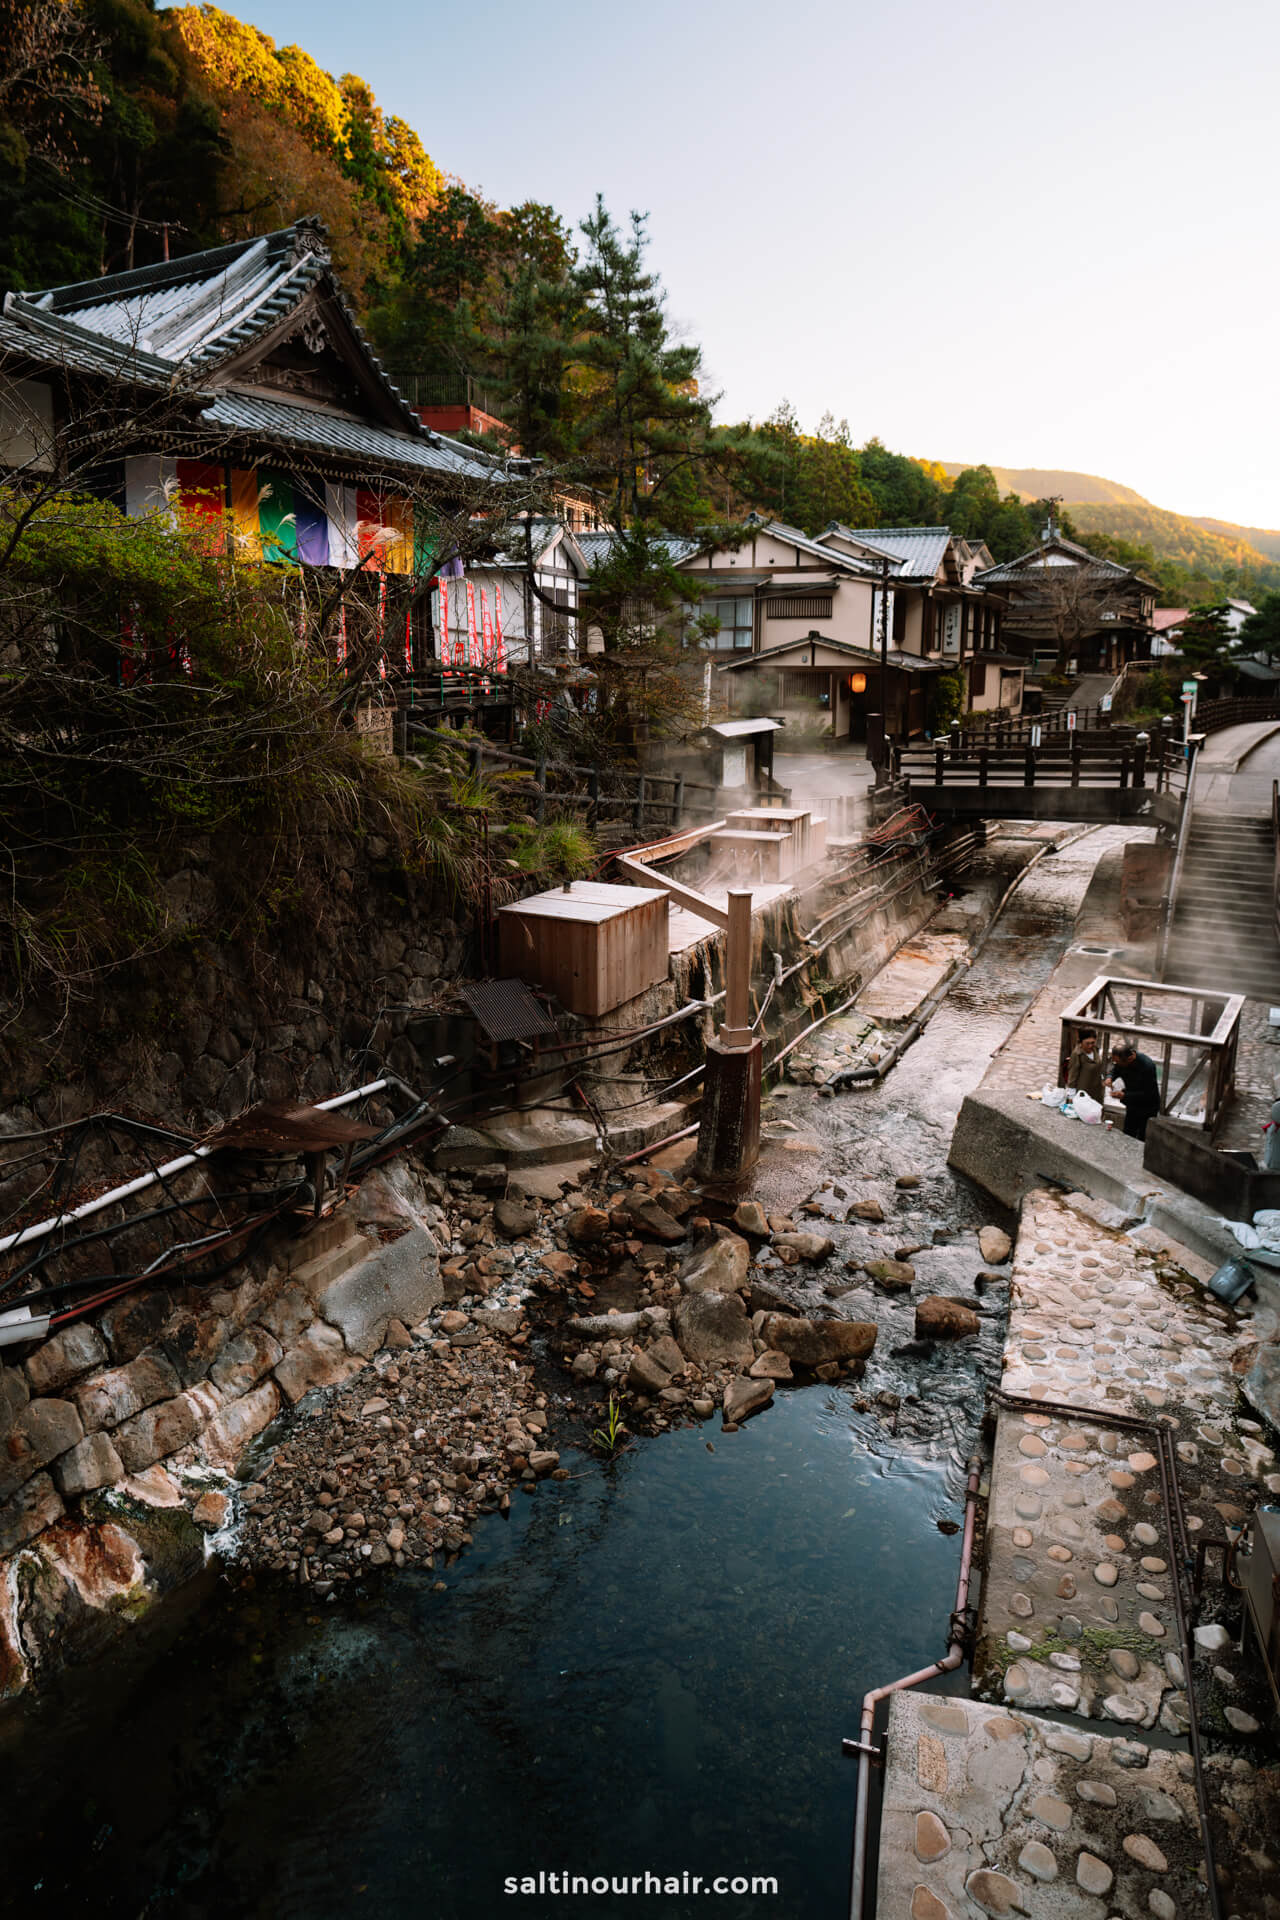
[319, 1235]
[316, 1273]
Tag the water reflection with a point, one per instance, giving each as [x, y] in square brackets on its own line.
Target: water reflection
[650, 1668]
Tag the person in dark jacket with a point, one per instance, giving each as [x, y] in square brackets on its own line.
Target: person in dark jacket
[1140, 1083]
[1084, 1069]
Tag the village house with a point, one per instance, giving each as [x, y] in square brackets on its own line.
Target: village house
[257, 405]
[1072, 609]
[827, 630]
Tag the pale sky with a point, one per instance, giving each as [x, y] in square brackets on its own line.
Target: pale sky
[1027, 234]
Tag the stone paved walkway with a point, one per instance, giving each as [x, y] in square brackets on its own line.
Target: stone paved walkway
[990, 1809]
[994, 1812]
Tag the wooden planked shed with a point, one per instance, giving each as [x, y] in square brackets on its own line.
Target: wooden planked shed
[590, 944]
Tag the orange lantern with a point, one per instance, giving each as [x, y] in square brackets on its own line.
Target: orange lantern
[857, 683]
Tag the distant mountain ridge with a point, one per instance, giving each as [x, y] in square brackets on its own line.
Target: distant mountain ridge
[1044, 483]
[1213, 547]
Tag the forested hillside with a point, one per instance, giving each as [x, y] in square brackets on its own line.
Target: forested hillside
[127, 133]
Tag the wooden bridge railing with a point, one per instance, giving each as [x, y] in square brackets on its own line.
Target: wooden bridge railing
[1076, 759]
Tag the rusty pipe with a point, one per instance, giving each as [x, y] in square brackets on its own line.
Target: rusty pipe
[870, 1701]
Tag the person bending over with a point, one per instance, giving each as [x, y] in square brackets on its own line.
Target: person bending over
[1139, 1086]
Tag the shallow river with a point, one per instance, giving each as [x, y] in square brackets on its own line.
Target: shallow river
[646, 1668]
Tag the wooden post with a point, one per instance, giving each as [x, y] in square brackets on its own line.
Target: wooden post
[1077, 755]
[955, 736]
[1029, 771]
[984, 757]
[736, 1030]
[1124, 768]
[939, 768]
[729, 1129]
[1140, 760]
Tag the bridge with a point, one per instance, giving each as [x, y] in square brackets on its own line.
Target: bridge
[1070, 766]
[1102, 774]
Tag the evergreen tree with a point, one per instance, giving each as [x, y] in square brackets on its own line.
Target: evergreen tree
[1261, 631]
[642, 422]
[1205, 641]
[904, 494]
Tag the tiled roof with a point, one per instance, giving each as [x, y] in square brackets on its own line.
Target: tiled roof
[1015, 572]
[27, 334]
[310, 430]
[596, 547]
[831, 555]
[174, 324]
[1165, 617]
[919, 550]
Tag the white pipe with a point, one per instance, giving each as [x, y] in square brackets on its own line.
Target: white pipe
[145, 1180]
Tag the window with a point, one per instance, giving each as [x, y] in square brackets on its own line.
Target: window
[736, 617]
[799, 606]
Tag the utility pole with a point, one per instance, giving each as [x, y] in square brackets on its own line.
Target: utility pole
[884, 651]
[729, 1131]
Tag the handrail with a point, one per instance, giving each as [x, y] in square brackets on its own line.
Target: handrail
[1179, 856]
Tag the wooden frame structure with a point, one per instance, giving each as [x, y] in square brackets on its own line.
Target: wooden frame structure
[1189, 1031]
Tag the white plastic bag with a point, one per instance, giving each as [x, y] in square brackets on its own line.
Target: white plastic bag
[1267, 1226]
[1052, 1096]
[1244, 1233]
[1086, 1108]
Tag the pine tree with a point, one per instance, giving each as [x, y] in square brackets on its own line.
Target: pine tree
[642, 422]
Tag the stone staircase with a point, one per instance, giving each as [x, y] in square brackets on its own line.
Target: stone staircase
[1223, 932]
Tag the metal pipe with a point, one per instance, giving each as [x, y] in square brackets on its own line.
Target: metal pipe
[863, 1746]
[160, 1174]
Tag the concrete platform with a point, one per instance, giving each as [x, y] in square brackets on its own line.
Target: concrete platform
[987, 1811]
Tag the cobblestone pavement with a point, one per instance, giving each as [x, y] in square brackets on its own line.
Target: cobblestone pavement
[994, 1812]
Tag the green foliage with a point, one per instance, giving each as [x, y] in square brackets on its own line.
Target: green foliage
[611, 1437]
[947, 700]
[1261, 631]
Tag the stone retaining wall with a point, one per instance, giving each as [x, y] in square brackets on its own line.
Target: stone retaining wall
[117, 1432]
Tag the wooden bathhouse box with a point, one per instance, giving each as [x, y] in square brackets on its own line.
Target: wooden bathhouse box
[590, 944]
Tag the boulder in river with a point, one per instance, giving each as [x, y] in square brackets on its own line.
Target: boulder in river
[770, 1365]
[794, 1247]
[651, 1218]
[719, 1267]
[750, 1217]
[938, 1318]
[744, 1397]
[865, 1210]
[895, 1276]
[712, 1328]
[588, 1224]
[995, 1245]
[513, 1220]
[813, 1343]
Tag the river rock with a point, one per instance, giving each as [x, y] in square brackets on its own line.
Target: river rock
[720, 1267]
[652, 1218]
[712, 1328]
[513, 1220]
[667, 1354]
[994, 1245]
[743, 1397]
[764, 1298]
[815, 1343]
[865, 1210]
[647, 1375]
[211, 1511]
[895, 1276]
[609, 1326]
[770, 1366]
[544, 1462]
[907, 1182]
[941, 1319]
[750, 1217]
[794, 1247]
[587, 1224]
